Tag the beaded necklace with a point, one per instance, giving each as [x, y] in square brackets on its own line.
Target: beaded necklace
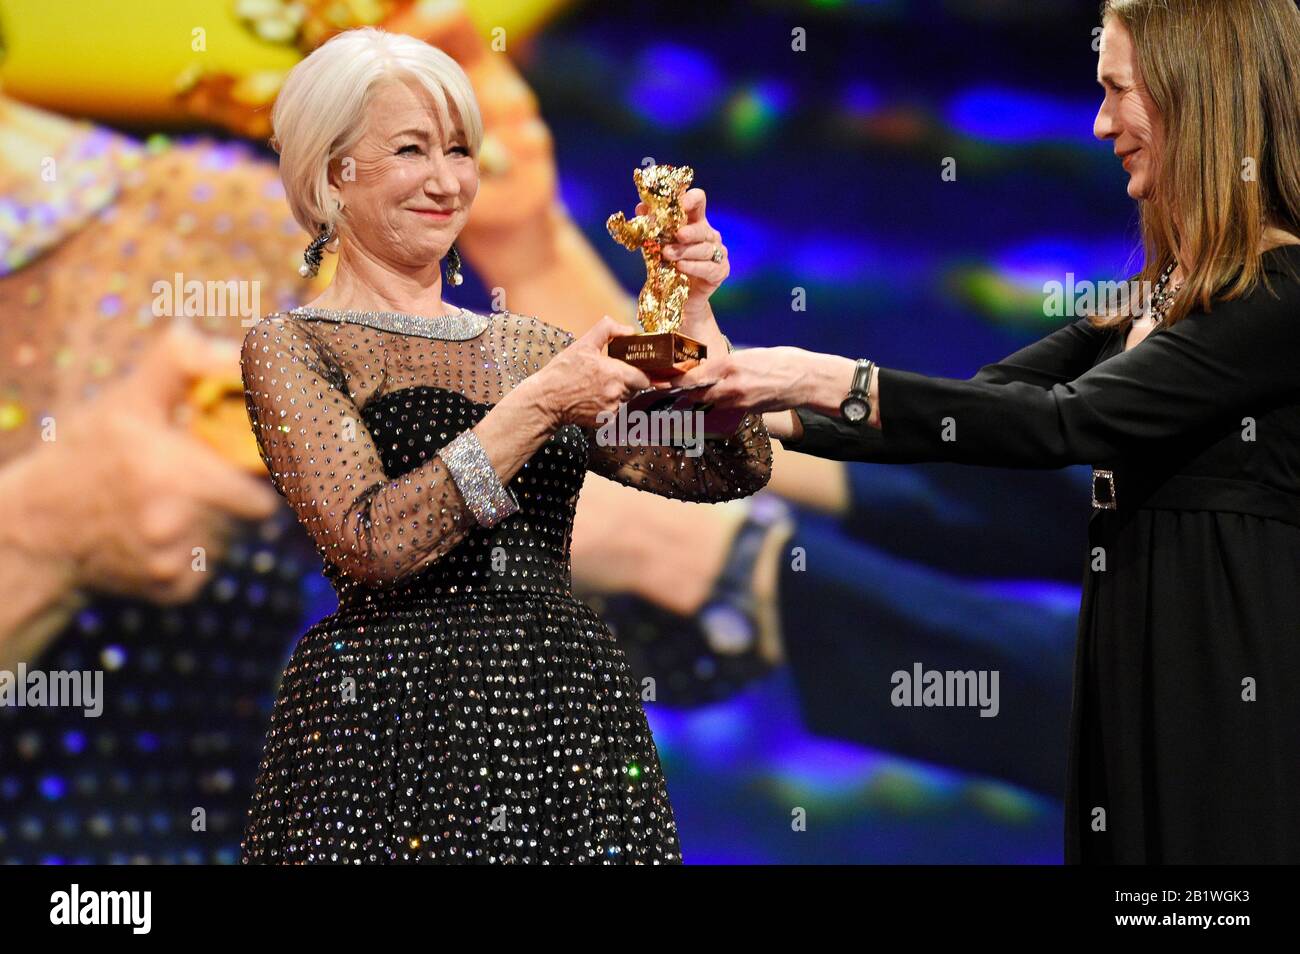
[1161, 298]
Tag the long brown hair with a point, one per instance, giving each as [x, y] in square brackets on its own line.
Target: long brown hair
[1225, 76]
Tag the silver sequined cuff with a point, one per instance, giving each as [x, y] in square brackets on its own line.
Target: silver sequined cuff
[488, 499]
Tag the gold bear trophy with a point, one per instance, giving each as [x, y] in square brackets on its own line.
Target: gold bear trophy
[659, 349]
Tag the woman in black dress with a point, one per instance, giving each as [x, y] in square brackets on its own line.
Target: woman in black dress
[461, 704]
[1185, 728]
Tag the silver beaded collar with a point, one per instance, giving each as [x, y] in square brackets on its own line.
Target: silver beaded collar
[458, 326]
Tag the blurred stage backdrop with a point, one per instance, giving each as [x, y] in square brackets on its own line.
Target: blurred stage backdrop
[894, 179]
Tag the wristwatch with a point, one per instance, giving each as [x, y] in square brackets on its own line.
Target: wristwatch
[855, 408]
[729, 616]
[705, 658]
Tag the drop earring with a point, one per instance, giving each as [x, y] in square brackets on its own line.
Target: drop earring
[454, 276]
[311, 258]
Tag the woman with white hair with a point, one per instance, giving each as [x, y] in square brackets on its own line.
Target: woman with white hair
[461, 704]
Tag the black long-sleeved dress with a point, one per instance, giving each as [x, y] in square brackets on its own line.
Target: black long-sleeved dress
[462, 704]
[1185, 726]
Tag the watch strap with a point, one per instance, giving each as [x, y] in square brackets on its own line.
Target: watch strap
[862, 377]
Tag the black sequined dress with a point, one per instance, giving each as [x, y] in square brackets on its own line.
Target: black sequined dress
[461, 704]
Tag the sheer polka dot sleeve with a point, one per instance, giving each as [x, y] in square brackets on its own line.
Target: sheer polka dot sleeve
[324, 462]
[735, 466]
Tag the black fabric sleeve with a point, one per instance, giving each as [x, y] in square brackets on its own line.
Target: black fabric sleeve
[1061, 356]
[1209, 367]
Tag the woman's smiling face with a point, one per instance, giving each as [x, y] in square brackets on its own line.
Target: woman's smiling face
[1128, 114]
[408, 190]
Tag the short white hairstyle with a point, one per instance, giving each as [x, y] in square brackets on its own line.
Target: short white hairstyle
[319, 114]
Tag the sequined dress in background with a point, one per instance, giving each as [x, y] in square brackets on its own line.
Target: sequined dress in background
[461, 704]
[187, 689]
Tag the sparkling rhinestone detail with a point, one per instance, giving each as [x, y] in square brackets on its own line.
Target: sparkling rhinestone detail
[488, 499]
[457, 326]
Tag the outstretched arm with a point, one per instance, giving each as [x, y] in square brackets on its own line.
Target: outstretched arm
[1205, 370]
[1061, 356]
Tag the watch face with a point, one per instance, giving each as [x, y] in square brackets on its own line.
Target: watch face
[854, 409]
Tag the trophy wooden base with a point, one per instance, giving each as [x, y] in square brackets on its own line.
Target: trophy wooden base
[659, 354]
